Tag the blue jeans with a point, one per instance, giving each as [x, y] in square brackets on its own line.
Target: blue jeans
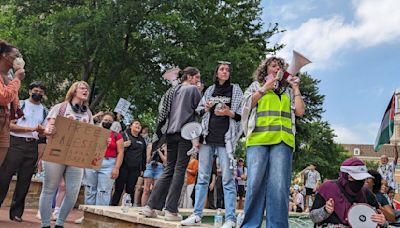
[268, 181]
[98, 183]
[52, 176]
[206, 157]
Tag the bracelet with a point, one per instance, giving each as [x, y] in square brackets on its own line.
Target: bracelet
[299, 94]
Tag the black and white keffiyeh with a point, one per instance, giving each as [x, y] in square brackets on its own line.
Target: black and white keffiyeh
[164, 108]
[234, 132]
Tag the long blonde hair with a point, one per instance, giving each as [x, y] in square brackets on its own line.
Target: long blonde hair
[72, 90]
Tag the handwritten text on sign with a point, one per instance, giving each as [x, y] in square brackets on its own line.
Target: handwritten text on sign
[77, 144]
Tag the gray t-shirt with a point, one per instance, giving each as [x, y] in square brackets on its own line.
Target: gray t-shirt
[185, 101]
[312, 178]
[241, 171]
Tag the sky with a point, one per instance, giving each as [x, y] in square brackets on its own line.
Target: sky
[354, 46]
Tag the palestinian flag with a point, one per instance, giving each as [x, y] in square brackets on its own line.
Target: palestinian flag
[387, 126]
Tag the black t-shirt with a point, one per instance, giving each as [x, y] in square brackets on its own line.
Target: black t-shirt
[219, 125]
[135, 154]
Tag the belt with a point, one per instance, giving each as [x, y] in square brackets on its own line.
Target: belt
[25, 139]
[108, 158]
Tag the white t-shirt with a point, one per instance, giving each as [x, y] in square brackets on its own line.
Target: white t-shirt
[69, 113]
[33, 116]
[387, 172]
[312, 178]
[299, 200]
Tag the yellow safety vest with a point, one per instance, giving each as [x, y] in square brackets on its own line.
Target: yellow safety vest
[274, 122]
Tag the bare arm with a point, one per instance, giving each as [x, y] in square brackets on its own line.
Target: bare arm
[120, 153]
[299, 106]
[148, 153]
[15, 128]
[268, 85]
[388, 212]
[163, 156]
[120, 158]
[50, 127]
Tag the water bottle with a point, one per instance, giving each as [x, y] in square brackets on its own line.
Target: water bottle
[218, 219]
[126, 202]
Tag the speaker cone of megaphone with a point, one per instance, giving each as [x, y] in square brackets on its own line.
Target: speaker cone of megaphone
[191, 130]
[171, 75]
[298, 61]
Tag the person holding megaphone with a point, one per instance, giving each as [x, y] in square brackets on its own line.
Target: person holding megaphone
[269, 108]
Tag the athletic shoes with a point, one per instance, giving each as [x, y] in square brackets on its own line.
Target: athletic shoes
[192, 220]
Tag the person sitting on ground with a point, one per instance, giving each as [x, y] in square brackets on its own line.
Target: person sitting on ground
[298, 200]
[335, 197]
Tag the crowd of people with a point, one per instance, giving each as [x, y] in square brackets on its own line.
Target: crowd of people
[157, 171]
[153, 171]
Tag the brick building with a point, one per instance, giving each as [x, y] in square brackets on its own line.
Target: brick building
[366, 152]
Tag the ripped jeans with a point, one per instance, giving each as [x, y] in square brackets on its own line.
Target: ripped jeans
[98, 183]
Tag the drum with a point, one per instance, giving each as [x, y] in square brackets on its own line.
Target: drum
[359, 216]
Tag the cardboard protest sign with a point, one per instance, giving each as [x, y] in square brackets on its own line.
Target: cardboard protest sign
[122, 106]
[77, 144]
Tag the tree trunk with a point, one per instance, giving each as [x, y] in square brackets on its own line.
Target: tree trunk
[87, 70]
[97, 99]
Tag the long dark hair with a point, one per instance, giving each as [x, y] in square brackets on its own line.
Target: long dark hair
[377, 180]
[5, 47]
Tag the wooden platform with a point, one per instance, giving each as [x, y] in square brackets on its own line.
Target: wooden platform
[113, 217]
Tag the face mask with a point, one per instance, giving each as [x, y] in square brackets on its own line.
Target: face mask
[356, 186]
[106, 125]
[36, 97]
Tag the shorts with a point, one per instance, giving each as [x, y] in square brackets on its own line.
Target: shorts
[241, 191]
[153, 172]
[309, 191]
[299, 209]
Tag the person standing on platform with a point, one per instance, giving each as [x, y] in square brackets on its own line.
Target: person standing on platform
[176, 109]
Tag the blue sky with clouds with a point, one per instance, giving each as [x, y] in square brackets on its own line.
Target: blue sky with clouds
[355, 49]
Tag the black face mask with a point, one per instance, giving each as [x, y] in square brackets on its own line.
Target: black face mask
[106, 125]
[356, 186]
[36, 97]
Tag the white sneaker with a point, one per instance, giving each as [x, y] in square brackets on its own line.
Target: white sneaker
[192, 220]
[38, 215]
[79, 220]
[148, 212]
[229, 224]
[169, 216]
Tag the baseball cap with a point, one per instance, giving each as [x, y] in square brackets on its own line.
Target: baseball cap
[355, 168]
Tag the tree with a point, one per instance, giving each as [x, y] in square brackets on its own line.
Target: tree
[314, 138]
[121, 47]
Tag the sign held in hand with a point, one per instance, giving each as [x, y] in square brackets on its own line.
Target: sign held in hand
[77, 144]
[122, 106]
